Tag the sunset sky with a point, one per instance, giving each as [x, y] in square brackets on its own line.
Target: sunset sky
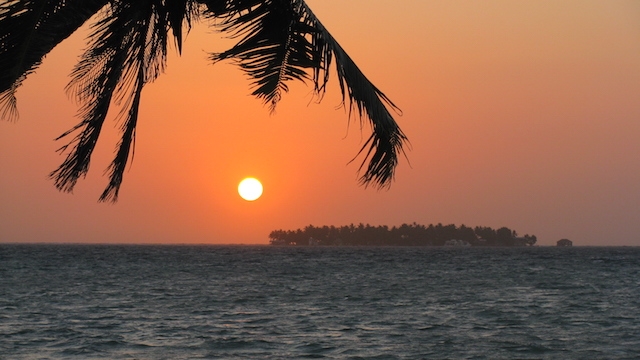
[524, 114]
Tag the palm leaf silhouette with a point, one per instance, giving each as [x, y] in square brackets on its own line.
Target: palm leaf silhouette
[128, 50]
[28, 31]
[279, 41]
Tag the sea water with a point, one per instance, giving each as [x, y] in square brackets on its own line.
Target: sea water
[262, 302]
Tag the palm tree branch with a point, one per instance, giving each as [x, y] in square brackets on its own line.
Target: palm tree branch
[128, 50]
[280, 40]
[30, 29]
[94, 80]
[273, 49]
[147, 61]
[387, 139]
[178, 14]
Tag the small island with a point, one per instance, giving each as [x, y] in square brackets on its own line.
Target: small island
[564, 243]
[404, 235]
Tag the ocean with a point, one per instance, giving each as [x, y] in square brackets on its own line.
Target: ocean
[265, 302]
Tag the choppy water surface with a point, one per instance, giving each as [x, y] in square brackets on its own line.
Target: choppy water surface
[179, 302]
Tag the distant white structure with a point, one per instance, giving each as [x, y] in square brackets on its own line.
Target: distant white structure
[313, 242]
[457, 243]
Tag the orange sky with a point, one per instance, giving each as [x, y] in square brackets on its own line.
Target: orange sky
[520, 114]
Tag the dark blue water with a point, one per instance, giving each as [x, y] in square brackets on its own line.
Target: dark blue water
[179, 302]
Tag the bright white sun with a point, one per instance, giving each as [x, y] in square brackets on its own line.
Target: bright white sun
[250, 189]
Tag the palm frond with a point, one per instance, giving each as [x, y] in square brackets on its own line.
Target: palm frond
[127, 51]
[29, 30]
[179, 13]
[387, 139]
[274, 48]
[280, 41]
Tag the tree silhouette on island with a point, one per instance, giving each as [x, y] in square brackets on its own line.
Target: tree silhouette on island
[279, 41]
[404, 235]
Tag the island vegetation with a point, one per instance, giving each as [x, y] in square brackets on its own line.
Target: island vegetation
[564, 243]
[403, 235]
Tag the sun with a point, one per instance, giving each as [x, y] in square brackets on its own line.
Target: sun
[250, 189]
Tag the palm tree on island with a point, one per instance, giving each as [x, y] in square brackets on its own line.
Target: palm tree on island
[279, 41]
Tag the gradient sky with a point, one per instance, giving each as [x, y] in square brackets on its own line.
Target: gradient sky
[522, 114]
